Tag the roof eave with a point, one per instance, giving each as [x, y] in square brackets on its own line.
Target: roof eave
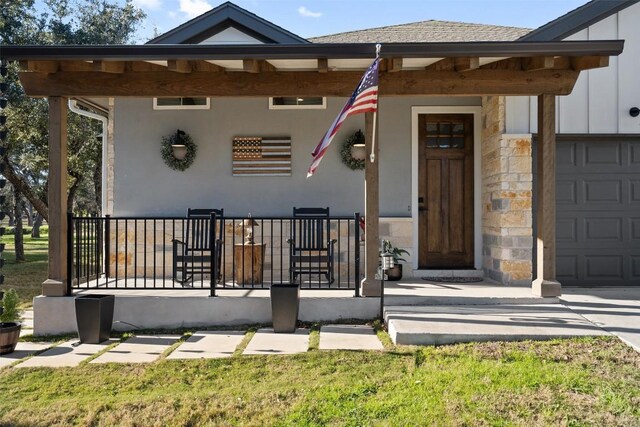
[312, 51]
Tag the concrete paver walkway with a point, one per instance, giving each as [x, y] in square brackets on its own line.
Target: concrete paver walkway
[23, 349]
[433, 325]
[265, 341]
[616, 310]
[208, 345]
[139, 349]
[349, 337]
[27, 323]
[67, 354]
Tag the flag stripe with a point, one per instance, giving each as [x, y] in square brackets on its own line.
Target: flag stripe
[256, 156]
[364, 99]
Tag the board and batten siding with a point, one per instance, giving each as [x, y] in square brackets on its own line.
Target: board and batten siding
[144, 185]
[601, 98]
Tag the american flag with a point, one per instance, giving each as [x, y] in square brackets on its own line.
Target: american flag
[364, 99]
[258, 156]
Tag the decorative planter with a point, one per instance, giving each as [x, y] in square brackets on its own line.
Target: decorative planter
[9, 335]
[94, 315]
[394, 273]
[285, 303]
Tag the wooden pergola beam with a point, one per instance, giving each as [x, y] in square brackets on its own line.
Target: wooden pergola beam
[371, 287]
[179, 66]
[538, 63]
[206, 66]
[580, 63]
[56, 284]
[304, 83]
[460, 64]
[114, 67]
[323, 65]
[545, 283]
[394, 65]
[255, 66]
[46, 67]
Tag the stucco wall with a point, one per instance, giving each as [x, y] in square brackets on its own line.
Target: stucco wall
[143, 185]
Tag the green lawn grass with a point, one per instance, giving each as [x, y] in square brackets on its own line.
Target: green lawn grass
[577, 382]
[25, 277]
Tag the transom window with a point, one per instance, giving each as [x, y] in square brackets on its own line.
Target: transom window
[297, 102]
[445, 134]
[181, 103]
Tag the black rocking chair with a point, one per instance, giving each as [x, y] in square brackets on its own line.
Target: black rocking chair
[311, 250]
[204, 228]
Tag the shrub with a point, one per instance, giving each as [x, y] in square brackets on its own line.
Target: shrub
[10, 307]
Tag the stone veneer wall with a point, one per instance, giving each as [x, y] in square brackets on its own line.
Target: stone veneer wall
[506, 198]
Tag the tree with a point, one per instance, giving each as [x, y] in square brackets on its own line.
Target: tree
[63, 22]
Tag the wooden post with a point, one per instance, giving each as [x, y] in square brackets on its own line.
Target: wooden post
[545, 284]
[371, 287]
[56, 285]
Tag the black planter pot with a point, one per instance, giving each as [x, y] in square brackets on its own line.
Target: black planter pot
[9, 335]
[394, 273]
[285, 302]
[94, 315]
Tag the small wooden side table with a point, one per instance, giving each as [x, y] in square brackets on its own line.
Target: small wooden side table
[248, 260]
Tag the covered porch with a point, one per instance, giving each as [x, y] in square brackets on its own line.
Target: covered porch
[503, 251]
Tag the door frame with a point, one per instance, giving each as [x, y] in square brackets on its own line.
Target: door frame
[477, 174]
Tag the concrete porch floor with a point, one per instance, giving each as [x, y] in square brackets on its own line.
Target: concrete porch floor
[137, 307]
[416, 311]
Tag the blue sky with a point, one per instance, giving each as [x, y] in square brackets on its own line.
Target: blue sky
[318, 17]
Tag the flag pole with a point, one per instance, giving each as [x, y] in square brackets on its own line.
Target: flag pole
[372, 156]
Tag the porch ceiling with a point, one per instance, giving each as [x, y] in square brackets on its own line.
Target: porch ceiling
[477, 68]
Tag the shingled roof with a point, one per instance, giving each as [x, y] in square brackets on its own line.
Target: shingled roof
[426, 31]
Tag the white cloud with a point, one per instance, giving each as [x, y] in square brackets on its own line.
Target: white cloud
[193, 8]
[148, 4]
[303, 11]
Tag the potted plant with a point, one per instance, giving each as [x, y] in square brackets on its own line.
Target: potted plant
[9, 326]
[394, 273]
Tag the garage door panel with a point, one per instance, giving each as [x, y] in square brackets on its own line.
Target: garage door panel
[567, 268]
[566, 156]
[599, 155]
[604, 267]
[598, 210]
[634, 156]
[635, 269]
[601, 191]
[566, 192]
[634, 230]
[634, 191]
[567, 230]
[603, 230]
[586, 267]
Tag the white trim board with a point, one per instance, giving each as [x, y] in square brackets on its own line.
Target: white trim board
[477, 174]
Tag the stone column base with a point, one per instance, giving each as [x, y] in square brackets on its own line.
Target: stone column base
[546, 288]
[54, 288]
[371, 287]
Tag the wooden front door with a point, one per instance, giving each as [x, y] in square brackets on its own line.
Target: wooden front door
[445, 190]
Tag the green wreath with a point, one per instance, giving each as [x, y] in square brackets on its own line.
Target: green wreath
[345, 152]
[178, 138]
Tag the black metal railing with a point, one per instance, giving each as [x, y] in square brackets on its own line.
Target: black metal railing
[240, 253]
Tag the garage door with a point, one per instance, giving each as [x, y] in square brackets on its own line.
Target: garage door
[598, 210]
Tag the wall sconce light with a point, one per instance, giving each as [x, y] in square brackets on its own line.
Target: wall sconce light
[634, 112]
[179, 151]
[358, 151]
